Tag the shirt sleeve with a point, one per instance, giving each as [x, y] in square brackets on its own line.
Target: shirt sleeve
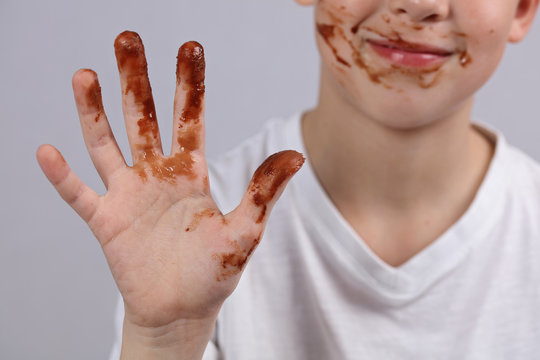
[211, 352]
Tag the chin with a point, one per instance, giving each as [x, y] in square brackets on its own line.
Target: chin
[404, 123]
[406, 118]
[416, 110]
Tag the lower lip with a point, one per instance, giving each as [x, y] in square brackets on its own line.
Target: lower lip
[407, 58]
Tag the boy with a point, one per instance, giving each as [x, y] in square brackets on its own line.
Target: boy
[410, 233]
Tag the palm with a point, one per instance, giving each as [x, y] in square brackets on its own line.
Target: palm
[172, 253]
[173, 236]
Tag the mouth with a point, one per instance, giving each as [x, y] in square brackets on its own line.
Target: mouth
[407, 54]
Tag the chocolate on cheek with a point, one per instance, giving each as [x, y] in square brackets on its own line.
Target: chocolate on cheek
[421, 75]
[425, 77]
[356, 27]
[327, 33]
[465, 58]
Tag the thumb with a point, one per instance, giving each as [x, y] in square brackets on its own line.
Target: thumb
[266, 185]
[249, 218]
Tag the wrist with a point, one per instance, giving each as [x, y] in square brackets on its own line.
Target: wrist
[181, 339]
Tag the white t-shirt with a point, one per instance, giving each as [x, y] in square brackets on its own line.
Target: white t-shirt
[314, 290]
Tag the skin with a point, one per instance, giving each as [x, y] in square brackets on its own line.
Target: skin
[400, 159]
[387, 156]
[173, 255]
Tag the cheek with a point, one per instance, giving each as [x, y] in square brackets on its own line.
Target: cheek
[486, 42]
[346, 13]
[331, 23]
[487, 24]
[335, 22]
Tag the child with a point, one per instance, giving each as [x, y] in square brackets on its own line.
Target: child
[409, 233]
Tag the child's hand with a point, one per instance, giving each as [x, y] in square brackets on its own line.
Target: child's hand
[172, 253]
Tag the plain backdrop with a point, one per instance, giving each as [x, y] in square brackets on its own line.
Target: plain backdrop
[57, 296]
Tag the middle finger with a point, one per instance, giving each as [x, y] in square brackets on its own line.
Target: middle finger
[137, 101]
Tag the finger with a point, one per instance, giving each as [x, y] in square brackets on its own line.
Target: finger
[79, 196]
[188, 130]
[267, 184]
[137, 102]
[97, 133]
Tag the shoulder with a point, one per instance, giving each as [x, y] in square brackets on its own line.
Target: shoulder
[518, 176]
[524, 190]
[521, 171]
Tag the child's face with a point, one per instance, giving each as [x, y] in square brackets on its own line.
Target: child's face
[410, 62]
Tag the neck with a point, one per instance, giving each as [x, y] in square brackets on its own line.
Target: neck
[369, 168]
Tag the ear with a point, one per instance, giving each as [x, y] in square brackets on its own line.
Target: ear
[305, 2]
[523, 19]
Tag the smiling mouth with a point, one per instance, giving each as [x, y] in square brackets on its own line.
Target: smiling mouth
[408, 54]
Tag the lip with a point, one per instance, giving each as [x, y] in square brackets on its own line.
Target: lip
[409, 54]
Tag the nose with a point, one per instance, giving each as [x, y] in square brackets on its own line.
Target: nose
[421, 10]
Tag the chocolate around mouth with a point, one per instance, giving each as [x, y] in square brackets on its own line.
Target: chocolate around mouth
[410, 47]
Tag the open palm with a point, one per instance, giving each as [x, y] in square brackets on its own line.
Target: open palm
[172, 253]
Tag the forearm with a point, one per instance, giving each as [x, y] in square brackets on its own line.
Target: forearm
[186, 339]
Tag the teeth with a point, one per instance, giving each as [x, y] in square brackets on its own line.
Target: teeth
[411, 50]
[396, 48]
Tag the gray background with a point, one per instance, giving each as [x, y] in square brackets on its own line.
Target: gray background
[57, 297]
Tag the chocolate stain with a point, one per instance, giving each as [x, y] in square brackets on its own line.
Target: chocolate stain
[206, 213]
[232, 263]
[424, 76]
[355, 28]
[465, 58]
[166, 169]
[190, 69]
[190, 139]
[373, 76]
[206, 185]
[421, 76]
[357, 58]
[334, 18]
[269, 177]
[396, 38]
[327, 32]
[460, 34]
[93, 96]
[132, 64]
[330, 8]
